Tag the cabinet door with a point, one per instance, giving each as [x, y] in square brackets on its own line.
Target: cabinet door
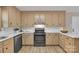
[51, 39]
[48, 19]
[24, 37]
[1, 49]
[55, 38]
[76, 45]
[9, 15]
[8, 46]
[54, 19]
[48, 39]
[61, 20]
[4, 16]
[61, 41]
[18, 18]
[69, 44]
[30, 20]
[12, 16]
[0, 18]
[28, 39]
[24, 19]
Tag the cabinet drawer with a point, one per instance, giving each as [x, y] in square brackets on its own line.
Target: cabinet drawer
[28, 35]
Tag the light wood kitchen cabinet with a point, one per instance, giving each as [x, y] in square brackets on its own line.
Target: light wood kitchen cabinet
[28, 39]
[61, 40]
[30, 20]
[69, 44]
[61, 18]
[11, 16]
[4, 16]
[76, 45]
[48, 19]
[51, 38]
[24, 19]
[18, 18]
[39, 18]
[0, 18]
[8, 46]
[1, 47]
[66, 43]
[55, 19]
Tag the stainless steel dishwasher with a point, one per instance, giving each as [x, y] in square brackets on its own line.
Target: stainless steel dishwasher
[17, 43]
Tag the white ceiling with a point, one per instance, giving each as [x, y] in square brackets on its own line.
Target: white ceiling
[49, 8]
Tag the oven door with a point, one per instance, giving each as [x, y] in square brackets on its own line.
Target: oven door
[39, 40]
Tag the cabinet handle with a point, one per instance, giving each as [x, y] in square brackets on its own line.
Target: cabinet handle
[11, 23]
[6, 48]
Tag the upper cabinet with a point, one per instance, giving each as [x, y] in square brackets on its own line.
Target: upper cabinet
[30, 19]
[49, 18]
[61, 18]
[10, 17]
[24, 19]
[39, 18]
[55, 19]
[18, 18]
[0, 18]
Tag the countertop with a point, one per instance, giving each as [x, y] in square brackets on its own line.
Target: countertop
[11, 33]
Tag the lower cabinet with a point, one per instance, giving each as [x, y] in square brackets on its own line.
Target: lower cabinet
[7, 46]
[28, 39]
[61, 40]
[69, 44]
[51, 38]
[1, 49]
[76, 45]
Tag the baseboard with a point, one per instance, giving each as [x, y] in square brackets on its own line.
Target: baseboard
[52, 45]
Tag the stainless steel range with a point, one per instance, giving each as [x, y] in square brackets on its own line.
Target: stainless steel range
[39, 37]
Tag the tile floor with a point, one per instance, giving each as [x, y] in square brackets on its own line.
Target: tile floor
[46, 49]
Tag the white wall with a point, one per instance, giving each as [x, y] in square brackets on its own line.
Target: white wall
[69, 19]
[49, 8]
